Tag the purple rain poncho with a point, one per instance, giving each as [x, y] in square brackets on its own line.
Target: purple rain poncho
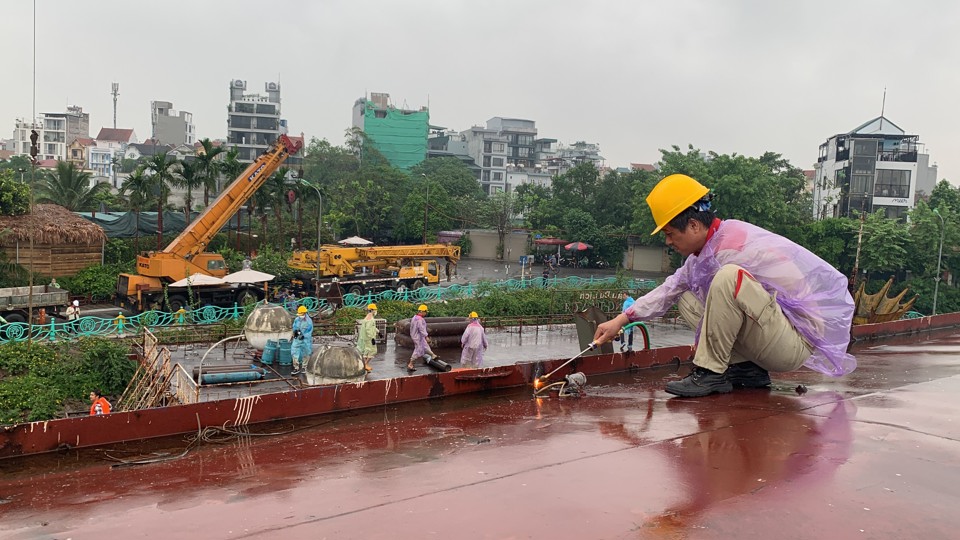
[473, 338]
[418, 333]
[812, 294]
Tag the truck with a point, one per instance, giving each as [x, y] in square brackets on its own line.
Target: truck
[185, 255]
[15, 302]
[359, 270]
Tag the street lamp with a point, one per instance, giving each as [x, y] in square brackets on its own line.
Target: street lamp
[936, 280]
[426, 203]
[319, 225]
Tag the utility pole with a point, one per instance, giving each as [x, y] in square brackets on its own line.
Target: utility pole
[426, 203]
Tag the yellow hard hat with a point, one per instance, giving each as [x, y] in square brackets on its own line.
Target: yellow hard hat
[473, 315]
[372, 307]
[673, 195]
[302, 309]
[423, 307]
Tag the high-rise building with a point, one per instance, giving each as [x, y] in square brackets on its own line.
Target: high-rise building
[875, 166]
[253, 120]
[399, 134]
[170, 126]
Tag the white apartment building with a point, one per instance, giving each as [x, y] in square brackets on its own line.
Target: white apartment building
[875, 166]
[253, 120]
[55, 130]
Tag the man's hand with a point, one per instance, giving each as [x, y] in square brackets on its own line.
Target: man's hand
[609, 330]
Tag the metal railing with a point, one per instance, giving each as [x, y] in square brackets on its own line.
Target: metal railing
[182, 320]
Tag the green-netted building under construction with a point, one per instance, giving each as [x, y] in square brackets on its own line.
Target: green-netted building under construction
[399, 134]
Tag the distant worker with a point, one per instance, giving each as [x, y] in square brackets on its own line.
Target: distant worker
[73, 312]
[367, 337]
[474, 342]
[53, 284]
[546, 275]
[247, 264]
[758, 301]
[98, 404]
[626, 342]
[302, 345]
[418, 333]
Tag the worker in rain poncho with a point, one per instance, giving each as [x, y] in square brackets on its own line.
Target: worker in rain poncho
[474, 342]
[367, 337]
[302, 345]
[757, 301]
[418, 333]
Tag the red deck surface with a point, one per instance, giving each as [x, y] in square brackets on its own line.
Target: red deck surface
[872, 455]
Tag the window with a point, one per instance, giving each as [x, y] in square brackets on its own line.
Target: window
[485, 176]
[892, 183]
[840, 178]
[488, 147]
[486, 161]
[525, 139]
[864, 148]
[498, 148]
[861, 183]
[893, 212]
[497, 177]
[522, 151]
[497, 162]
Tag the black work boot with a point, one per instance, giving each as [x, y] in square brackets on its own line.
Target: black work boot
[748, 375]
[700, 382]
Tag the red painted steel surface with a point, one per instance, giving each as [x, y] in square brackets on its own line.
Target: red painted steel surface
[872, 455]
[80, 432]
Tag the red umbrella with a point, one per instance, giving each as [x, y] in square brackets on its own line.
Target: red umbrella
[577, 246]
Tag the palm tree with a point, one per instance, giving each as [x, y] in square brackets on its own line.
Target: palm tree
[162, 173]
[208, 167]
[189, 178]
[138, 188]
[276, 187]
[70, 188]
[231, 167]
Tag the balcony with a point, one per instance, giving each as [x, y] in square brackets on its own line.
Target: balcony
[909, 156]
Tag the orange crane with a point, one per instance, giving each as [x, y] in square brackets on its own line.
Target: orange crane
[185, 255]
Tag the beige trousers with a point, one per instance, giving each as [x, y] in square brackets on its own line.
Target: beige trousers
[741, 322]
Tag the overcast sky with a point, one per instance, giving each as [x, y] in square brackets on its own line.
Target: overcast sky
[633, 76]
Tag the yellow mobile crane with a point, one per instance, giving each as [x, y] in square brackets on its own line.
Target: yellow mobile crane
[185, 256]
[372, 269]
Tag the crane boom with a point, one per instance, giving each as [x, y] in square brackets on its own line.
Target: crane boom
[195, 238]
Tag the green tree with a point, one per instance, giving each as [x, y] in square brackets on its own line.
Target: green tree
[138, 188]
[884, 244]
[69, 187]
[162, 169]
[497, 212]
[14, 195]
[208, 163]
[187, 176]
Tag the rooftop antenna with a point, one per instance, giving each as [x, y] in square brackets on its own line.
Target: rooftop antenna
[115, 90]
[883, 106]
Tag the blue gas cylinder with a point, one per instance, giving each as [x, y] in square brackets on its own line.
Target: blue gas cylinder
[286, 358]
[270, 352]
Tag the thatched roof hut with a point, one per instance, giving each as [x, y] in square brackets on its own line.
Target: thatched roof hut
[63, 243]
[50, 224]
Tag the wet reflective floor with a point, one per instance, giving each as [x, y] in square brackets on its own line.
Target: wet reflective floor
[872, 455]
